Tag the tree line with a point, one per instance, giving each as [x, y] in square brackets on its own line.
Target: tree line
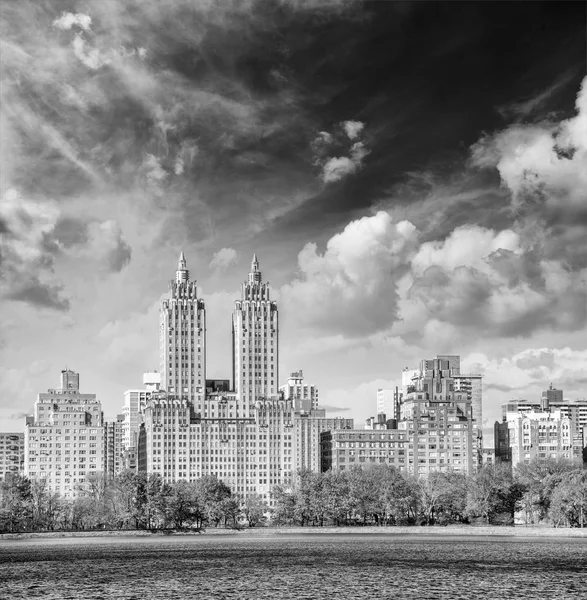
[553, 492]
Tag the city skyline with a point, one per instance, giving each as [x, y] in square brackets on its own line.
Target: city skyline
[395, 217]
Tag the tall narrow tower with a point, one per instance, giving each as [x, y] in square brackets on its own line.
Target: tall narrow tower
[255, 341]
[182, 338]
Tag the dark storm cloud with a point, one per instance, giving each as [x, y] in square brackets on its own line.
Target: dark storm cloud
[38, 294]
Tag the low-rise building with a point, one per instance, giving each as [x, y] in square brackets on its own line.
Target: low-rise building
[537, 435]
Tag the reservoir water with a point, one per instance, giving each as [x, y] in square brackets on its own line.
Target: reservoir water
[281, 567]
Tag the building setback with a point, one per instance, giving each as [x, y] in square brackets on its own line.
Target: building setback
[64, 441]
[11, 454]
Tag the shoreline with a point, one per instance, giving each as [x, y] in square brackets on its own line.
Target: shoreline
[518, 531]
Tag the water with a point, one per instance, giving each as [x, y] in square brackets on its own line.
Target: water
[336, 567]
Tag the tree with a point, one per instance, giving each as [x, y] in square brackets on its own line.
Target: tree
[16, 512]
[569, 500]
[212, 494]
[538, 479]
[183, 505]
[254, 509]
[492, 492]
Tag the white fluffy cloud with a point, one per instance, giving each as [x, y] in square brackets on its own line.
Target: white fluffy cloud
[350, 288]
[544, 162]
[488, 282]
[376, 275]
[67, 20]
[223, 259]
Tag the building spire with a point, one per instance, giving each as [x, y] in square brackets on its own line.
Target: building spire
[182, 274]
[255, 274]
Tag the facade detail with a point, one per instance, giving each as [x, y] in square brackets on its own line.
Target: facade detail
[182, 338]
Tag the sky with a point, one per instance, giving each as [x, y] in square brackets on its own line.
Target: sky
[412, 177]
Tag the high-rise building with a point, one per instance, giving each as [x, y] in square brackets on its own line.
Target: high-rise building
[182, 338]
[135, 402]
[386, 403]
[64, 441]
[298, 391]
[11, 453]
[255, 339]
[114, 447]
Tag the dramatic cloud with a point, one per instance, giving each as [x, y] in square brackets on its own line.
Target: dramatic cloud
[337, 167]
[543, 163]
[223, 259]
[377, 274]
[351, 287]
[27, 251]
[487, 282]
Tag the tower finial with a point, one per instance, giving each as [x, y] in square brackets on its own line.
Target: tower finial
[182, 273]
[255, 274]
